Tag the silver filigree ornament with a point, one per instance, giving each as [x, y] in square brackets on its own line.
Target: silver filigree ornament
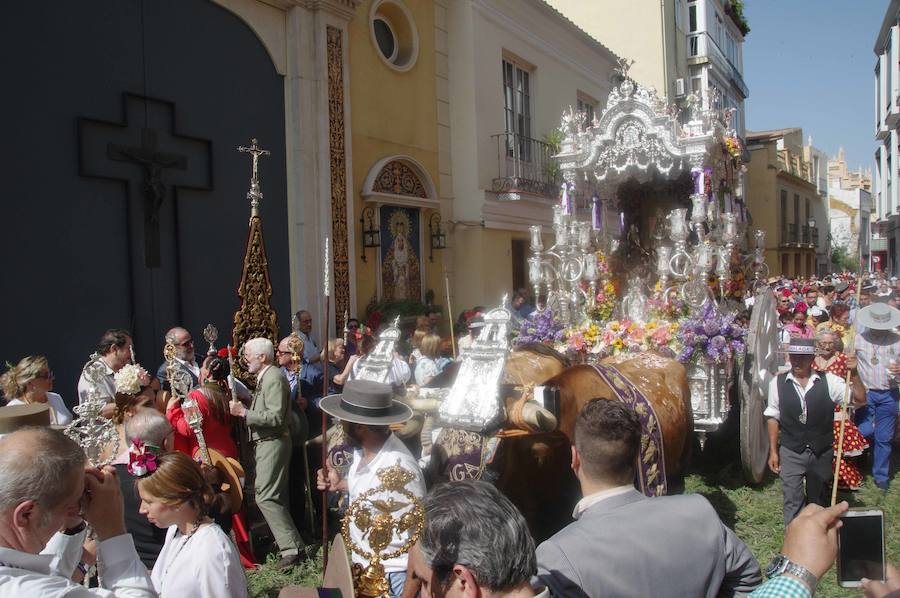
[211, 335]
[95, 434]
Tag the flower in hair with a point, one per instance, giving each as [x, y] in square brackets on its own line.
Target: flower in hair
[223, 352]
[142, 458]
[131, 378]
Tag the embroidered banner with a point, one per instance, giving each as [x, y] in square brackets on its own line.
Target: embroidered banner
[651, 465]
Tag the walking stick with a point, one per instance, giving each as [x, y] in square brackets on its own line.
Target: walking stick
[839, 454]
[324, 416]
[450, 313]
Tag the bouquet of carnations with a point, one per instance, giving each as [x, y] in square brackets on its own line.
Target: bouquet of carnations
[131, 378]
[670, 309]
[605, 302]
[710, 335]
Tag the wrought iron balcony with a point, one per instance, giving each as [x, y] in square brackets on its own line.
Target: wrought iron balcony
[524, 165]
[815, 235]
[789, 234]
[806, 235]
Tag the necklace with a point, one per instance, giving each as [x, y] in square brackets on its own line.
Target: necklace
[187, 538]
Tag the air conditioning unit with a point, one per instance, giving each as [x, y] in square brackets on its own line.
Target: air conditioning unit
[679, 87]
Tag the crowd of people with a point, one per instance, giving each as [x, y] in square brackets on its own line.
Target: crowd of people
[168, 519]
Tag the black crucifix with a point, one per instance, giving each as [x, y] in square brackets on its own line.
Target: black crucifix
[112, 150]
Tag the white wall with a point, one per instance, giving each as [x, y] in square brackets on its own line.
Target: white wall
[564, 61]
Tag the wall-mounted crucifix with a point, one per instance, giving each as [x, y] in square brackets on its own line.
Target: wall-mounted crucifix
[146, 151]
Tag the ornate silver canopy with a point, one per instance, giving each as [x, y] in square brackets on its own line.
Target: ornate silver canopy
[376, 366]
[637, 134]
[474, 400]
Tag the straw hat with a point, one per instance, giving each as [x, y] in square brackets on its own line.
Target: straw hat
[879, 316]
[233, 472]
[14, 417]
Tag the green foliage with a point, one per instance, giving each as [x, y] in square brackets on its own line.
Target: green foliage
[267, 579]
[551, 169]
[735, 9]
[842, 260]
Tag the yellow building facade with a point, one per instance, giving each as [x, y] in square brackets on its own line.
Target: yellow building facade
[783, 200]
[394, 153]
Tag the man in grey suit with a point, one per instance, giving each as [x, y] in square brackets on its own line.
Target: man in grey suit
[625, 544]
[267, 420]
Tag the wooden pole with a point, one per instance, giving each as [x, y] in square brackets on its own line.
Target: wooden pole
[839, 454]
[450, 314]
[324, 362]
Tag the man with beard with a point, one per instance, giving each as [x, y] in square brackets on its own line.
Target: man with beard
[184, 357]
[113, 353]
[366, 409]
[267, 419]
[801, 406]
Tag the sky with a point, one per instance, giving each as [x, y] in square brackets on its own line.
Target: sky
[810, 64]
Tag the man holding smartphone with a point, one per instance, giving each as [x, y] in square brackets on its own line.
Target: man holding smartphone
[801, 407]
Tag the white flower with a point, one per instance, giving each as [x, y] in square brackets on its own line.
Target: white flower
[128, 379]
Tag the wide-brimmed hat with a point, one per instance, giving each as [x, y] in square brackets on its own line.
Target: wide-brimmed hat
[879, 316]
[841, 287]
[233, 472]
[14, 417]
[801, 346]
[366, 402]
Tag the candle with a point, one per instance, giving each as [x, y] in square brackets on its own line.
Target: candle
[704, 256]
[596, 213]
[537, 244]
[566, 200]
[621, 223]
[723, 265]
[697, 175]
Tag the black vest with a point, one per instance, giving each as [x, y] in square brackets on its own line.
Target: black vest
[818, 431]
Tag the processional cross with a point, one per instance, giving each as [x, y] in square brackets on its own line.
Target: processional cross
[254, 194]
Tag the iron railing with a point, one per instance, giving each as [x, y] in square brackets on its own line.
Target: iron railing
[525, 165]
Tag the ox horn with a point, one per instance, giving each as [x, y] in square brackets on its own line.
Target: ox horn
[537, 418]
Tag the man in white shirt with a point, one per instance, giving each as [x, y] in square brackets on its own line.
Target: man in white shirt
[801, 406]
[366, 409]
[113, 352]
[43, 492]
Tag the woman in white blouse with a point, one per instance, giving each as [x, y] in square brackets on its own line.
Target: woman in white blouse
[30, 381]
[198, 559]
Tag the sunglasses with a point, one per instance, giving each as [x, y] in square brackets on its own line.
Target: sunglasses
[45, 376]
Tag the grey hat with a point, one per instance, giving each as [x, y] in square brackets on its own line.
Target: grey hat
[879, 316]
[366, 402]
[841, 287]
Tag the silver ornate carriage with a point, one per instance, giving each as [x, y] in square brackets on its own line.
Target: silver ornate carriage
[636, 157]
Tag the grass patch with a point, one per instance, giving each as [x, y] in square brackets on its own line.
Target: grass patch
[266, 580]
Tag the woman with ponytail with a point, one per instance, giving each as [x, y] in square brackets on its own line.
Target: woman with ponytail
[30, 381]
[198, 559]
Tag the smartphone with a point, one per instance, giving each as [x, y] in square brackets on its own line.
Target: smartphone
[860, 547]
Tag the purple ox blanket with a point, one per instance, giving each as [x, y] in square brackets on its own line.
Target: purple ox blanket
[651, 465]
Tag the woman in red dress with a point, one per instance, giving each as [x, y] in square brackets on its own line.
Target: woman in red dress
[212, 402]
[830, 359]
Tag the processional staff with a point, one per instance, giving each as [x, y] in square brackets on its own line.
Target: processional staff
[851, 351]
[326, 290]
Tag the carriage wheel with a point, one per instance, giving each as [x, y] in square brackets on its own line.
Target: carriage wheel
[761, 354]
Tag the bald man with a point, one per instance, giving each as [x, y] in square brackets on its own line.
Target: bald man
[184, 356]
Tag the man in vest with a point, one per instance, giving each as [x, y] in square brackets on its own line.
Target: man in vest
[801, 405]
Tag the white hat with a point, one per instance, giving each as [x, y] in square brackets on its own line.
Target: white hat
[879, 316]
